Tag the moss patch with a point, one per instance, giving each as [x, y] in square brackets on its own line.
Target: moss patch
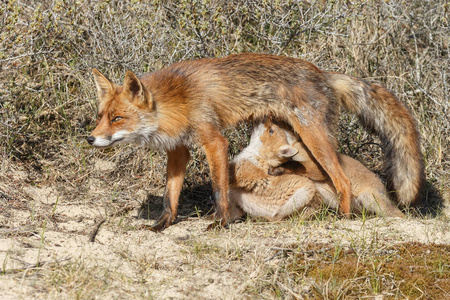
[411, 270]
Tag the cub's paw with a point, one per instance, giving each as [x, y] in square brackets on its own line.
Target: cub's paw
[276, 171]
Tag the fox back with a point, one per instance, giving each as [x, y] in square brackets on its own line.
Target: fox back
[165, 108]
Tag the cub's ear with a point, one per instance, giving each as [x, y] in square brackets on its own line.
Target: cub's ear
[287, 151]
[135, 90]
[103, 84]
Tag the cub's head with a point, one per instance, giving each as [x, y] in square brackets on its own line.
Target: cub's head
[121, 111]
[279, 145]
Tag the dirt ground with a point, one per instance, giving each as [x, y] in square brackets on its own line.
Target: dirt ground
[45, 252]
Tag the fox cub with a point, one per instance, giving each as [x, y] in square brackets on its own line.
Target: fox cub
[276, 176]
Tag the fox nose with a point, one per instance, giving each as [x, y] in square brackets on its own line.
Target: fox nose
[90, 139]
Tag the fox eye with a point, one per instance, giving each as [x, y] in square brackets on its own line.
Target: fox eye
[270, 131]
[118, 118]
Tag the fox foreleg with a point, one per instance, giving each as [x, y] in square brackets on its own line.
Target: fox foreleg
[216, 149]
[176, 169]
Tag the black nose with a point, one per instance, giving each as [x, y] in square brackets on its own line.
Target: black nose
[90, 139]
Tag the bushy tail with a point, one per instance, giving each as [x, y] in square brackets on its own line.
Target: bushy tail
[380, 111]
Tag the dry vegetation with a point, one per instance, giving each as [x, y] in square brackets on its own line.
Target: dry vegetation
[54, 187]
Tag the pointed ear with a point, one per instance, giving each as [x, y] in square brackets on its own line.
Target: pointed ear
[103, 84]
[135, 90]
[287, 151]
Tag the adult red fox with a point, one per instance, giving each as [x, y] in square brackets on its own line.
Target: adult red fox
[299, 183]
[193, 101]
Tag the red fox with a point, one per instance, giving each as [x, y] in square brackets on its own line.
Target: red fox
[254, 189]
[193, 101]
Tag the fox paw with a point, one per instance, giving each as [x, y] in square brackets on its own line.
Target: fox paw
[215, 225]
[164, 221]
[221, 223]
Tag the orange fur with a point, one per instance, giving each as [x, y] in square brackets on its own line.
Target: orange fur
[193, 101]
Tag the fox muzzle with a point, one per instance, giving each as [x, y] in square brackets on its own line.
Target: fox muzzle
[90, 139]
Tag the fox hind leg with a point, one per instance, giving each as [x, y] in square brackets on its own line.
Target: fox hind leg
[316, 138]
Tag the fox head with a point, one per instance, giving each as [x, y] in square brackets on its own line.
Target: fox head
[122, 112]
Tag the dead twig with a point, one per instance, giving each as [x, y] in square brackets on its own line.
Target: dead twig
[96, 229]
[280, 251]
[121, 211]
[20, 229]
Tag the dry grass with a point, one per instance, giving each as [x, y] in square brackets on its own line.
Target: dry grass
[52, 183]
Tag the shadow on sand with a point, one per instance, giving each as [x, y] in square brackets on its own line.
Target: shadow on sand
[194, 202]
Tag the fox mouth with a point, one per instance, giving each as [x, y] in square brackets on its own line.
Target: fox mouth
[116, 141]
[103, 145]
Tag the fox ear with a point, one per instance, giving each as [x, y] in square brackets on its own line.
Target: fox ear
[287, 151]
[134, 88]
[103, 84]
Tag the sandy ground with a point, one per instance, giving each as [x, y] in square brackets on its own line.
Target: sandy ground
[45, 250]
